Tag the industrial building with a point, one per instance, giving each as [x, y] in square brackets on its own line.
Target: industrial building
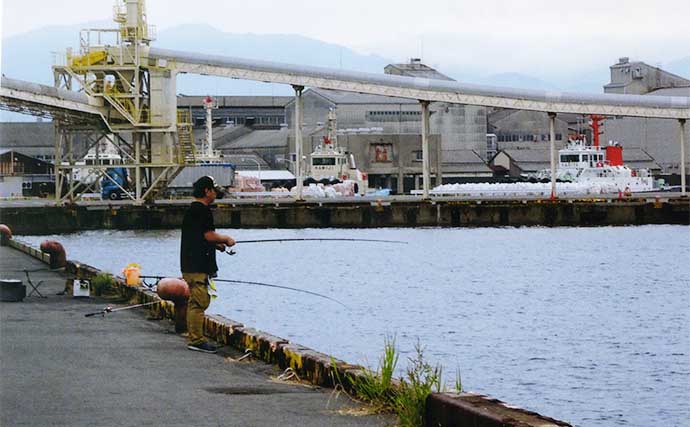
[658, 137]
[259, 112]
[33, 139]
[648, 143]
[22, 175]
[255, 132]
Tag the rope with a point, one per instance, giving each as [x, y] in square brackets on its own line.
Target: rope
[247, 354]
[288, 375]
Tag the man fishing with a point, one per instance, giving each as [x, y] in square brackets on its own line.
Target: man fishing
[198, 257]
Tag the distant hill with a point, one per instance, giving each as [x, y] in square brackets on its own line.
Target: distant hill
[287, 48]
[680, 67]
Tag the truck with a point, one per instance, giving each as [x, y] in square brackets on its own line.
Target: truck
[115, 185]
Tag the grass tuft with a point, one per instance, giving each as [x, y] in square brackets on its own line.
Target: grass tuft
[420, 380]
[407, 397]
[102, 283]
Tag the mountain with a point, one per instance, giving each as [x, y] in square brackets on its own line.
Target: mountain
[286, 48]
[679, 67]
[31, 55]
[517, 80]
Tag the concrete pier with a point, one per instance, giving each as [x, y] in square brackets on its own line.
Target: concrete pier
[59, 368]
[393, 212]
[62, 368]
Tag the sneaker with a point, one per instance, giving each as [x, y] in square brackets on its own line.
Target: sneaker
[204, 347]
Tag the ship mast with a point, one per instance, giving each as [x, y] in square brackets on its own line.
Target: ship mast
[596, 125]
[332, 129]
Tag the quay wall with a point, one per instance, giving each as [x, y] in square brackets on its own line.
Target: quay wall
[442, 409]
[369, 214]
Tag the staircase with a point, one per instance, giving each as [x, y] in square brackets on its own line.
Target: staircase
[186, 153]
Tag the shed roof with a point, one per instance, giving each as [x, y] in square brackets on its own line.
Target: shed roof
[464, 161]
[339, 97]
[27, 134]
[260, 139]
[236, 101]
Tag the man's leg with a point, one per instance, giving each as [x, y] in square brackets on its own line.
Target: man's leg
[199, 300]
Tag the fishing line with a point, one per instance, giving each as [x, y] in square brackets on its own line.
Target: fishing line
[243, 282]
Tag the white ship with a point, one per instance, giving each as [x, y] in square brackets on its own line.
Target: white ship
[331, 164]
[593, 166]
[582, 170]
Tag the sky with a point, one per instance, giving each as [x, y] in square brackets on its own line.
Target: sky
[528, 36]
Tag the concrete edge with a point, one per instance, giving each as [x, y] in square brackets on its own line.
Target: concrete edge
[470, 409]
[29, 250]
[442, 409]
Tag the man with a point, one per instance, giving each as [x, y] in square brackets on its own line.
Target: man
[198, 258]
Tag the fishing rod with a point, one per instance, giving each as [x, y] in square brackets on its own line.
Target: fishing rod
[319, 239]
[229, 251]
[109, 309]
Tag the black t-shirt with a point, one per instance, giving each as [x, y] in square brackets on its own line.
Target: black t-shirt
[196, 254]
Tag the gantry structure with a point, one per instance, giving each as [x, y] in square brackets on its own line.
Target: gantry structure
[129, 87]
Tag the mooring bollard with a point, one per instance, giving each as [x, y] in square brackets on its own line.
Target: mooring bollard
[5, 235]
[177, 291]
[58, 258]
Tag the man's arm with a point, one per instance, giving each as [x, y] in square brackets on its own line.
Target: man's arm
[212, 237]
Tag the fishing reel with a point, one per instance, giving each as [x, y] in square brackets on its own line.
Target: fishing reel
[230, 252]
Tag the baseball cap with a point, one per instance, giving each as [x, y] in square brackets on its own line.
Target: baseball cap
[207, 182]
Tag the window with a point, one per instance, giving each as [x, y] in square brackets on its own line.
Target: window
[382, 152]
[323, 161]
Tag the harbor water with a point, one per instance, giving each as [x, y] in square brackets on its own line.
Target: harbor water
[588, 325]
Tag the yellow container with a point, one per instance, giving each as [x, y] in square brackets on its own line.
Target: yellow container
[132, 273]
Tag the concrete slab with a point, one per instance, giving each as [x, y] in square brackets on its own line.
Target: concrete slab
[59, 368]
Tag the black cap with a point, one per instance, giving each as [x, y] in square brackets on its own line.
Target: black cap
[207, 182]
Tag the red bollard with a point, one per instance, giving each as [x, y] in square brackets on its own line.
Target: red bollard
[58, 258]
[5, 235]
[177, 291]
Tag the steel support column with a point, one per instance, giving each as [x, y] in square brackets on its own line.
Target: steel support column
[299, 118]
[137, 171]
[58, 162]
[552, 156]
[682, 157]
[425, 148]
[439, 162]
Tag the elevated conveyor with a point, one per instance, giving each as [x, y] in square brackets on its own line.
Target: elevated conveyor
[423, 89]
[47, 101]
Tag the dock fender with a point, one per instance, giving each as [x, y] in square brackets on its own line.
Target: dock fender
[177, 291]
[58, 257]
[5, 234]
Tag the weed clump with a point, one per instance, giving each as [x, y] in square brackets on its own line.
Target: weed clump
[406, 397]
[102, 283]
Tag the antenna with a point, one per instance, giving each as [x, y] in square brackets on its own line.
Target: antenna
[421, 47]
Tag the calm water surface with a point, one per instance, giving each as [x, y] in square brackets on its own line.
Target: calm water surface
[588, 325]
